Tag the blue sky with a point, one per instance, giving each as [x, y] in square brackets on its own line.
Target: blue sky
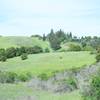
[26, 17]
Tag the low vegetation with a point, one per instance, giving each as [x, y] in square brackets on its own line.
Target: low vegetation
[92, 92]
[43, 56]
[47, 63]
[12, 77]
[24, 56]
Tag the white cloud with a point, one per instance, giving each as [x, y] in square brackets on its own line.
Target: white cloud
[39, 16]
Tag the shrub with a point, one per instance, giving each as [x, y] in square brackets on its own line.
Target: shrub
[11, 77]
[34, 50]
[22, 51]
[24, 77]
[47, 50]
[72, 81]
[24, 56]
[7, 77]
[10, 52]
[3, 58]
[93, 93]
[88, 48]
[37, 49]
[2, 55]
[43, 76]
[74, 47]
[98, 57]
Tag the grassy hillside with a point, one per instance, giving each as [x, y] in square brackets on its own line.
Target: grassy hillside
[38, 64]
[48, 62]
[16, 41]
[16, 91]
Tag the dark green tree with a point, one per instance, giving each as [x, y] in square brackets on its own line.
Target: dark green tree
[24, 56]
[47, 50]
[3, 58]
[54, 41]
[10, 52]
[44, 37]
[60, 35]
[93, 91]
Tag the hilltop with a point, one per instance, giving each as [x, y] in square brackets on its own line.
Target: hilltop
[18, 41]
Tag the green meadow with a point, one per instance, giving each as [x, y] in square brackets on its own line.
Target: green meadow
[48, 62]
[17, 41]
[37, 64]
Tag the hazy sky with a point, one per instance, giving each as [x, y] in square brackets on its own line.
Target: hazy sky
[26, 17]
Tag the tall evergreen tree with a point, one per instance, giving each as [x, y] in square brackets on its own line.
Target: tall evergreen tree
[54, 42]
[44, 37]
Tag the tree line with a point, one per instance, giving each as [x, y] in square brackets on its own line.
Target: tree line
[21, 51]
[56, 38]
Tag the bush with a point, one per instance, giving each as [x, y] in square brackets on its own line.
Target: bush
[88, 48]
[10, 52]
[94, 92]
[22, 51]
[11, 77]
[37, 49]
[74, 47]
[7, 77]
[3, 58]
[24, 56]
[24, 77]
[47, 50]
[98, 57]
[43, 76]
[72, 81]
[34, 50]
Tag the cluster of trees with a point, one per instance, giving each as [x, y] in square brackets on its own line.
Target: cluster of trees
[56, 38]
[90, 41]
[21, 51]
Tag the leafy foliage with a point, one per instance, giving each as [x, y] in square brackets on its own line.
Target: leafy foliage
[47, 50]
[93, 92]
[12, 77]
[98, 57]
[14, 52]
[54, 42]
[24, 56]
[43, 76]
[74, 47]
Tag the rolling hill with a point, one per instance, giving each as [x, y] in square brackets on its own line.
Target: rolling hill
[17, 41]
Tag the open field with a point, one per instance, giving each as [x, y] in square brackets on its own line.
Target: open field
[17, 41]
[48, 62]
[38, 64]
[16, 91]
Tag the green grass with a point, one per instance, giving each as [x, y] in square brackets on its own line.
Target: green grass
[48, 62]
[42, 63]
[38, 64]
[17, 41]
[14, 91]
